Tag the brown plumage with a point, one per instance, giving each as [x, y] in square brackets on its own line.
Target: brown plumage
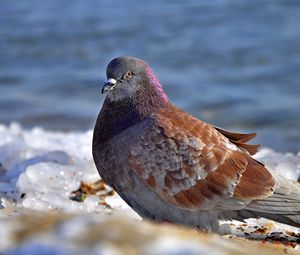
[207, 170]
[168, 165]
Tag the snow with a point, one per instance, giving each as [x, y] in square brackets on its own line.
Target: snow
[46, 167]
[287, 164]
[40, 170]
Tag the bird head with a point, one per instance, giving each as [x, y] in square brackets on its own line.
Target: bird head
[129, 77]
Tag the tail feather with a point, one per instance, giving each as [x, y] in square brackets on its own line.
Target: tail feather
[283, 206]
[292, 220]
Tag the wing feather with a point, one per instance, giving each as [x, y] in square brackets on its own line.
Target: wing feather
[192, 165]
[240, 140]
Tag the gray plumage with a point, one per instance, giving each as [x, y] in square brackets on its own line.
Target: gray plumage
[169, 166]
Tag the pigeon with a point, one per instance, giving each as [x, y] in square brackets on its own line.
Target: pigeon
[169, 166]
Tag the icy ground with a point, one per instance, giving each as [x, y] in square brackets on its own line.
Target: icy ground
[54, 171]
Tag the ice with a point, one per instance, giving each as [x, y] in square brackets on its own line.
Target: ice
[286, 164]
[172, 246]
[40, 170]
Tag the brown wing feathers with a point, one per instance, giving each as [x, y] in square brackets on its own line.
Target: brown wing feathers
[256, 182]
[191, 166]
[207, 192]
[237, 137]
[240, 140]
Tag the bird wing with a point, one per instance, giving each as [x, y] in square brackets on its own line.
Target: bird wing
[192, 165]
[240, 140]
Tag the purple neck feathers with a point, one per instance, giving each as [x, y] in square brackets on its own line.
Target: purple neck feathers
[116, 116]
[157, 86]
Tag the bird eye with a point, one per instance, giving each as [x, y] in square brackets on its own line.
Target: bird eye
[128, 75]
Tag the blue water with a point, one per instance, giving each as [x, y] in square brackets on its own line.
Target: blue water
[232, 63]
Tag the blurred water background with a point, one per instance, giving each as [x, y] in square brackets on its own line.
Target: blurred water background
[233, 63]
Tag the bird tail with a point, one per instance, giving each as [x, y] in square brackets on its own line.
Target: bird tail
[283, 206]
[289, 219]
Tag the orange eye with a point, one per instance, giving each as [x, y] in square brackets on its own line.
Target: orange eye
[128, 75]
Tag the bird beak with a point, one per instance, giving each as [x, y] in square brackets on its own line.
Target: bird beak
[108, 85]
